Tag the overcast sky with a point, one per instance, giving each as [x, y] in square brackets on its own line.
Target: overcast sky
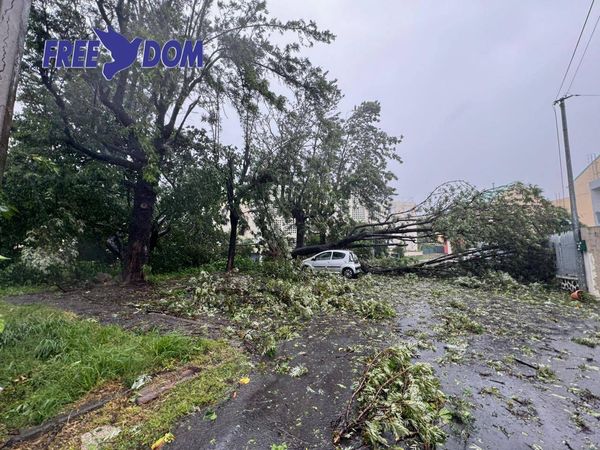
[469, 84]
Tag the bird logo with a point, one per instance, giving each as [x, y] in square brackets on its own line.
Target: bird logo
[122, 52]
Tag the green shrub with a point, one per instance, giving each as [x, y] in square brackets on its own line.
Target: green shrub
[20, 274]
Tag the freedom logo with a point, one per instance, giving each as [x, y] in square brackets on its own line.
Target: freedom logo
[83, 54]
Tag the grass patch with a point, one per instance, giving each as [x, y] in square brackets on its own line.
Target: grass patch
[221, 367]
[142, 425]
[6, 291]
[51, 359]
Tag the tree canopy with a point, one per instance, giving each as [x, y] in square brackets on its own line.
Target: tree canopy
[135, 121]
[134, 171]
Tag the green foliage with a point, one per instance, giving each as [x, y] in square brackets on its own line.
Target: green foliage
[512, 221]
[136, 124]
[504, 283]
[279, 447]
[326, 160]
[545, 373]
[456, 323]
[515, 216]
[51, 359]
[19, 274]
[387, 262]
[260, 305]
[489, 279]
[589, 341]
[279, 268]
[189, 209]
[64, 208]
[461, 411]
[396, 400]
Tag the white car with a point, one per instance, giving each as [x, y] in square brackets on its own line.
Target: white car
[336, 261]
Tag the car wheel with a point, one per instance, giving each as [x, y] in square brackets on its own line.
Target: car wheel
[348, 273]
[305, 268]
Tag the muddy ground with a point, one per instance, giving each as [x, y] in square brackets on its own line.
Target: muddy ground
[514, 376]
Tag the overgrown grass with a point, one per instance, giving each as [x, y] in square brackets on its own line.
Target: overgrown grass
[50, 359]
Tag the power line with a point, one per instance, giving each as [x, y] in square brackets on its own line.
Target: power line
[584, 52]
[575, 49]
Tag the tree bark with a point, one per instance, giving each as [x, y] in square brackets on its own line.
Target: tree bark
[234, 219]
[322, 238]
[140, 231]
[13, 27]
[300, 229]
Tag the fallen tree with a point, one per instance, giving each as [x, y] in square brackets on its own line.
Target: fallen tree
[489, 229]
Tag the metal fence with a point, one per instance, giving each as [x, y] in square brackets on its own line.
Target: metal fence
[566, 254]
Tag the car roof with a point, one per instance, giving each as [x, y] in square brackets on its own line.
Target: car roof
[335, 250]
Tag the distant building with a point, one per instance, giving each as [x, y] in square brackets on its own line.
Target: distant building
[403, 209]
[587, 193]
[360, 214]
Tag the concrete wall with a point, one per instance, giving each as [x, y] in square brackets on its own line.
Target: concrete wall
[591, 236]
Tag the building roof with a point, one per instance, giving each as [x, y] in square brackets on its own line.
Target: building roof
[588, 165]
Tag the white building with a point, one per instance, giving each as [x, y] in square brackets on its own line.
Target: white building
[403, 208]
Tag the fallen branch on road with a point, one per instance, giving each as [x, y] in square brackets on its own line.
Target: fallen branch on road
[395, 399]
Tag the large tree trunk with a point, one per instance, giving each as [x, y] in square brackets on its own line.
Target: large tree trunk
[234, 219]
[300, 229]
[140, 230]
[13, 27]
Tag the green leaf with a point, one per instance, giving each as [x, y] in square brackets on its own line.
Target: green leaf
[210, 415]
[47, 163]
[279, 446]
[7, 211]
[445, 415]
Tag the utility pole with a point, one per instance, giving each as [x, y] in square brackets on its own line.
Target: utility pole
[574, 217]
[14, 15]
